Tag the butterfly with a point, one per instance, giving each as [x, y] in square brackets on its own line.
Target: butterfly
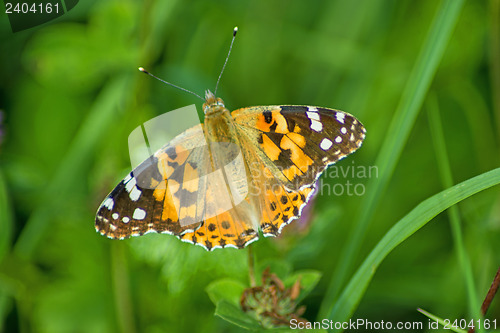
[220, 182]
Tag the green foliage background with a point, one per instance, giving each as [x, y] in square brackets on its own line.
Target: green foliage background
[71, 93]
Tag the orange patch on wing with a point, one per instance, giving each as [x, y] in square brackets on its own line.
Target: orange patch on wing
[281, 207]
[182, 155]
[291, 172]
[159, 192]
[169, 208]
[191, 180]
[298, 157]
[154, 183]
[221, 231]
[270, 148]
[275, 119]
[298, 139]
[282, 126]
[262, 124]
[163, 167]
[187, 211]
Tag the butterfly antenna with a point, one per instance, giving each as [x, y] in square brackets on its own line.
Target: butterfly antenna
[170, 84]
[227, 58]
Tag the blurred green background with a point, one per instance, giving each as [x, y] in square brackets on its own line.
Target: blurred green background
[71, 93]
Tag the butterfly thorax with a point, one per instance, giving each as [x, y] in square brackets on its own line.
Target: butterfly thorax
[218, 124]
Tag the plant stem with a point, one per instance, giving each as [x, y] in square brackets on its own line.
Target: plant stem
[121, 286]
[491, 293]
[489, 296]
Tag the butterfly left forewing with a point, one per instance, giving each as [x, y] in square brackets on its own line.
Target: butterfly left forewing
[161, 194]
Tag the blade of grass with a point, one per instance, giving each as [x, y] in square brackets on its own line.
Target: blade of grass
[441, 321]
[404, 228]
[401, 125]
[454, 215]
[70, 170]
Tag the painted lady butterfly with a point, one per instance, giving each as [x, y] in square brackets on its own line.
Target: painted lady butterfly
[219, 182]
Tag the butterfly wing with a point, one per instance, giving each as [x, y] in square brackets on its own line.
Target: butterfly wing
[281, 205]
[162, 193]
[299, 142]
[189, 185]
[290, 147]
[268, 202]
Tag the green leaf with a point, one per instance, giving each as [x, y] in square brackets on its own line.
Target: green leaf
[407, 226]
[234, 315]
[308, 280]
[225, 289]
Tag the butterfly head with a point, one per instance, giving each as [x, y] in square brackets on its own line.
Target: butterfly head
[212, 104]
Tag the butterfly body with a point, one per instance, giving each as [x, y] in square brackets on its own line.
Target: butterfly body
[218, 183]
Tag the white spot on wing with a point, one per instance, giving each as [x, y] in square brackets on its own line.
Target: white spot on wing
[135, 194]
[312, 115]
[115, 215]
[130, 185]
[340, 117]
[139, 214]
[338, 139]
[109, 203]
[316, 125]
[325, 144]
[125, 219]
[343, 130]
[312, 109]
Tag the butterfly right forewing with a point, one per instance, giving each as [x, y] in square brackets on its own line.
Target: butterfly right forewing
[299, 142]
